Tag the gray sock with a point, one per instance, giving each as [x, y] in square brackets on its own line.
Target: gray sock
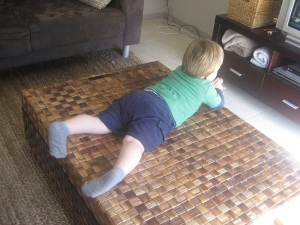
[57, 137]
[103, 184]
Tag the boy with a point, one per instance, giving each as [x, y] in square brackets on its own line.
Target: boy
[147, 116]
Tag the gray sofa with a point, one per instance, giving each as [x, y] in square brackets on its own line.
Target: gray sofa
[39, 30]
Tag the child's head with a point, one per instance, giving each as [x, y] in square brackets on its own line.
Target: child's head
[202, 57]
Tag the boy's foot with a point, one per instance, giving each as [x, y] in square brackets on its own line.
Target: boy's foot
[57, 137]
[103, 184]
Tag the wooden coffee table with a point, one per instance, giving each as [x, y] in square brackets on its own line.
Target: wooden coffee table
[214, 169]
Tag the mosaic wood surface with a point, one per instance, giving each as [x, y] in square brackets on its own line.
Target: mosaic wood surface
[214, 169]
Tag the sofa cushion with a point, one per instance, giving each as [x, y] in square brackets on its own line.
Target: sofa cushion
[1, 4]
[14, 36]
[98, 4]
[59, 23]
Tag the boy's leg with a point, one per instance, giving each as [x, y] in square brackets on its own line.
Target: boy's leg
[59, 131]
[86, 124]
[130, 156]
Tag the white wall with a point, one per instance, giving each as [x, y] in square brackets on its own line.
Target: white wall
[199, 13]
[154, 7]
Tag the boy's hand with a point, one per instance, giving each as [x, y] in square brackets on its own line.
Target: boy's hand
[218, 83]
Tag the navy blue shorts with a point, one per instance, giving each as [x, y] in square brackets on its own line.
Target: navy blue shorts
[141, 114]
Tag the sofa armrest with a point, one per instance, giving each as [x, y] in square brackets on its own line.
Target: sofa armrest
[133, 11]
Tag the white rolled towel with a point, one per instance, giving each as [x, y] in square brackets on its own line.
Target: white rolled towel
[261, 57]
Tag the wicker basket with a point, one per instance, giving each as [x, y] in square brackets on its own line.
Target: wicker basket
[254, 13]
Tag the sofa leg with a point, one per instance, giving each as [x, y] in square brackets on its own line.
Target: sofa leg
[126, 51]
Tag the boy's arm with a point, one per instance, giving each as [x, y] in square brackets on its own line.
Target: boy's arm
[215, 97]
[221, 104]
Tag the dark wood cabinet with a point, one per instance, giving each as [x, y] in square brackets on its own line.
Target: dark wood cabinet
[281, 97]
[261, 83]
[242, 74]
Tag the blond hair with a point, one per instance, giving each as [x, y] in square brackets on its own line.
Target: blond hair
[201, 57]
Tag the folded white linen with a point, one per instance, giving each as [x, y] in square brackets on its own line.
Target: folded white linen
[261, 57]
[238, 43]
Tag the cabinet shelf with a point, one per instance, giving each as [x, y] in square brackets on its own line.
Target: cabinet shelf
[246, 60]
[261, 83]
[284, 81]
[274, 41]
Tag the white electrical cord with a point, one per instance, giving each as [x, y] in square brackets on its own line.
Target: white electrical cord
[169, 24]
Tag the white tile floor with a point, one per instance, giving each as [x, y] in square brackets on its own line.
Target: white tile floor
[158, 45]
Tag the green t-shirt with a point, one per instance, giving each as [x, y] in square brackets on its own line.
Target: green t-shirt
[185, 94]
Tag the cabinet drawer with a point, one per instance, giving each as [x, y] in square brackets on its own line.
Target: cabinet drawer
[282, 97]
[242, 73]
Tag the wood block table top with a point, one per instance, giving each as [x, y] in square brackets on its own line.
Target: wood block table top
[214, 169]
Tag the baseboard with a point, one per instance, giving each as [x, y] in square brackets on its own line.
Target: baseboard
[191, 29]
[154, 16]
[176, 21]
